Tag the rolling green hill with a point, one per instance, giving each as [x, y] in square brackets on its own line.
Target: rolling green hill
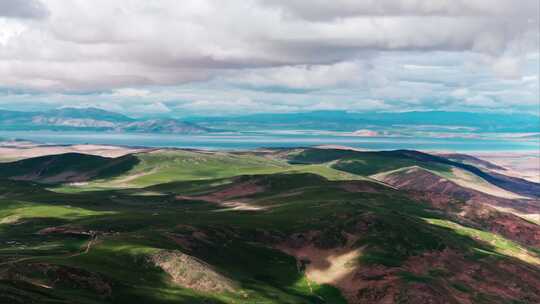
[69, 167]
[276, 226]
[162, 166]
[369, 163]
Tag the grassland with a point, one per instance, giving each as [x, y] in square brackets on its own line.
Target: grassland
[164, 166]
[93, 242]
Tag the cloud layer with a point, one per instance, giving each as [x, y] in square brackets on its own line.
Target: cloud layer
[32, 9]
[271, 55]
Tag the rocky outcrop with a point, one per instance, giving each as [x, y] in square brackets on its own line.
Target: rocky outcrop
[190, 272]
[58, 276]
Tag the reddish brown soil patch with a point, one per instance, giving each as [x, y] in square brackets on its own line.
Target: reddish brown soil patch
[223, 197]
[67, 176]
[189, 240]
[362, 186]
[469, 206]
[66, 230]
[440, 277]
[506, 224]
[236, 190]
[445, 277]
[504, 279]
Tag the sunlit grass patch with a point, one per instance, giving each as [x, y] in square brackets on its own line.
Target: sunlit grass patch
[25, 210]
[179, 165]
[324, 170]
[500, 244]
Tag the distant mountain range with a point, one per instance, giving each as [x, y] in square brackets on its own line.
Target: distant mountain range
[93, 119]
[350, 121]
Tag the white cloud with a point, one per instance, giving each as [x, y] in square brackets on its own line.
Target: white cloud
[149, 108]
[241, 105]
[460, 93]
[9, 29]
[530, 78]
[356, 105]
[507, 68]
[480, 101]
[302, 76]
[87, 45]
[130, 92]
[205, 55]
[319, 10]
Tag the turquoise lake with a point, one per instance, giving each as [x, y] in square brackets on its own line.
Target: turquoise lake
[244, 141]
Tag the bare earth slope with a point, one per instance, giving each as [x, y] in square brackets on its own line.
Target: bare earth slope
[471, 205]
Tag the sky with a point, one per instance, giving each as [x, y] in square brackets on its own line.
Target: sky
[215, 57]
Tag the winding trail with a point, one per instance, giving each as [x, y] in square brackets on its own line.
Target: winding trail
[91, 242]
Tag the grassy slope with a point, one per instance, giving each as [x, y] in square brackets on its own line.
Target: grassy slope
[179, 165]
[363, 163]
[137, 225]
[268, 276]
[372, 163]
[55, 167]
